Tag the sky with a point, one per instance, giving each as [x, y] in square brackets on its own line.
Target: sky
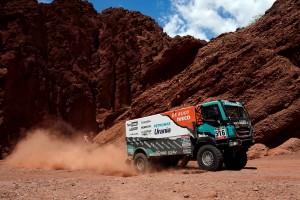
[203, 19]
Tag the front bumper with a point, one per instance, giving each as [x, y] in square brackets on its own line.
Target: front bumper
[241, 142]
[232, 143]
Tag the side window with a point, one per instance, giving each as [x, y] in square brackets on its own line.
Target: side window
[210, 112]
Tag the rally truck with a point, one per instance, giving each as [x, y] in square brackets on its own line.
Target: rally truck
[214, 134]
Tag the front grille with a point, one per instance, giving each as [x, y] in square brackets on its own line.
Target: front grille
[243, 132]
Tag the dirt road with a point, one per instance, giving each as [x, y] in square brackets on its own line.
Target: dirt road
[266, 178]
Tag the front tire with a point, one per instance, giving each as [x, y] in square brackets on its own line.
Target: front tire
[235, 160]
[141, 163]
[209, 158]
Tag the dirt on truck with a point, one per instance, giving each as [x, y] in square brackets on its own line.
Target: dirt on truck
[215, 133]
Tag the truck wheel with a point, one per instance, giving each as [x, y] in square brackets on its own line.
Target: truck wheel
[141, 163]
[209, 158]
[235, 160]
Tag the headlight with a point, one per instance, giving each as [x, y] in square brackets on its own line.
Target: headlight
[234, 143]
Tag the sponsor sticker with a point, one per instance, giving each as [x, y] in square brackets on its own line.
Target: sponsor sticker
[186, 144]
[163, 153]
[158, 131]
[145, 122]
[146, 132]
[162, 124]
[132, 124]
[187, 151]
[172, 152]
[133, 128]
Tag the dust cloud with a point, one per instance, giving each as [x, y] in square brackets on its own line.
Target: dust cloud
[42, 149]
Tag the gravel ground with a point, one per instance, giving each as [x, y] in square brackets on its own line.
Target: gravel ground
[273, 177]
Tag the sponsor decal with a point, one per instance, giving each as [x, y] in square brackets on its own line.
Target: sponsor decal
[132, 124]
[183, 118]
[186, 144]
[182, 115]
[145, 122]
[148, 126]
[242, 122]
[158, 131]
[133, 134]
[146, 132]
[172, 152]
[154, 154]
[187, 151]
[162, 124]
[163, 153]
[133, 128]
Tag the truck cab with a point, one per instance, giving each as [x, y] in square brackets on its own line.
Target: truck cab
[226, 125]
[227, 122]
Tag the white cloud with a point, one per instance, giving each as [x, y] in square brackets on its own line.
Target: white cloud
[209, 18]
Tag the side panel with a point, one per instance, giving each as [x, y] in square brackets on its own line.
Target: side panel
[178, 145]
[168, 124]
[168, 133]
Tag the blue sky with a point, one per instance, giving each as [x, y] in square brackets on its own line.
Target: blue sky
[152, 8]
[203, 19]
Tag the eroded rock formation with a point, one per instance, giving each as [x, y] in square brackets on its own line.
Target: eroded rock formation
[65, 61]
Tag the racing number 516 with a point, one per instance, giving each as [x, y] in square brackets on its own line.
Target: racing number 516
[220, 133]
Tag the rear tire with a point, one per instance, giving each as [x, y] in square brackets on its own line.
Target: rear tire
[235, 160]
[141, 163]
[209, 158]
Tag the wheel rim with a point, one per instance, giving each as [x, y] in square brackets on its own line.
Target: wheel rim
[207, 158]
[140, 164]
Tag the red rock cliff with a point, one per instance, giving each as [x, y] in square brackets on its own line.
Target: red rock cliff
[65, 61]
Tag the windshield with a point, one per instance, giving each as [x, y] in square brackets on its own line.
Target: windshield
[236, 112]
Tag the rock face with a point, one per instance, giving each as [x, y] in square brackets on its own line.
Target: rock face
[64, 61]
